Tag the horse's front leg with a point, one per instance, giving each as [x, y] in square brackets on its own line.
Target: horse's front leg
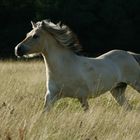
[50, 99]
[51, 95]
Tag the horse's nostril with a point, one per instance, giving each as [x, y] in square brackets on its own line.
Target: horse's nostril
[20, 50]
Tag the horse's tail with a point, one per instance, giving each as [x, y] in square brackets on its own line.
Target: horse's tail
[136, 57]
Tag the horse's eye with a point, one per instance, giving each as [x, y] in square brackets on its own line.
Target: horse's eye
[35, 36]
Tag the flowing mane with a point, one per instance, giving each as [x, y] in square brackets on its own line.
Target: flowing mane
[62, 33]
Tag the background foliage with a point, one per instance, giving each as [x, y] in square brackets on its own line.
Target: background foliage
[100, 25]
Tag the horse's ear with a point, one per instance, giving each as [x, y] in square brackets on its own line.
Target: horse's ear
[59, 23]
[33, 24]
[43, 23]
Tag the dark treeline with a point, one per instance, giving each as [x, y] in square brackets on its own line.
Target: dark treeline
[100, 25]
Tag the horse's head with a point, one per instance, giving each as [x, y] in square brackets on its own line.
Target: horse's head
[34, 43]
[46, 36]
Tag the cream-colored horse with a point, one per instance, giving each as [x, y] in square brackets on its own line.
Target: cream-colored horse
[71, 75]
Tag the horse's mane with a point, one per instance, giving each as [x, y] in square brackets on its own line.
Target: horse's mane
[62, 33]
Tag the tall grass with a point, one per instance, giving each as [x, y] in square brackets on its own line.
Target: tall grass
[22, 90]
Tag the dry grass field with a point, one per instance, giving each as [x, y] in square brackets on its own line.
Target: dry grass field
[22, 90]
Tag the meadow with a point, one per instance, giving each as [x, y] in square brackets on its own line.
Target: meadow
[22, 91]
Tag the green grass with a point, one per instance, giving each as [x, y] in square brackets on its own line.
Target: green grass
[22, 90]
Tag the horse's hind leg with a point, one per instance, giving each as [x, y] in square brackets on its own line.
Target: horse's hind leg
[118, 94]
[84, 103]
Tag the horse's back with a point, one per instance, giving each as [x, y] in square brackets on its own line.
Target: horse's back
[114, 54]
[136, 57]
[125, 62]
[118, 57]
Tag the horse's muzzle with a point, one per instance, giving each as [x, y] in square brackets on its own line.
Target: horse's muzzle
[21, 50]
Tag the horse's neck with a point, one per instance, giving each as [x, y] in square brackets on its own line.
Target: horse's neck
[58, 61]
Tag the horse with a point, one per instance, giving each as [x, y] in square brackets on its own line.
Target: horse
[71, 75]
